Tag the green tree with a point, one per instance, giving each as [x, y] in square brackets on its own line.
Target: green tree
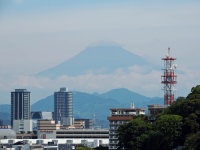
[192, 142]
[189, 109]
[178, 125]
[155, 141]
[176, 107]
[191, 124]
[84, 148]
[101, 148]
[195, 93]
[133, 134]
[170, 126]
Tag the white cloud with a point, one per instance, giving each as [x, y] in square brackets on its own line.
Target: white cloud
[90, 83]
[148, 84]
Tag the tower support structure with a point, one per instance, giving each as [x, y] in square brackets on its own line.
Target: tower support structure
[169, 79]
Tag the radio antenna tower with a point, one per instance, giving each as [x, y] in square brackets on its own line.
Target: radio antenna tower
[169, 79]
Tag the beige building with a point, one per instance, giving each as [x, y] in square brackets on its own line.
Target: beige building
[47, 125]
[79, 124]
[155, 109]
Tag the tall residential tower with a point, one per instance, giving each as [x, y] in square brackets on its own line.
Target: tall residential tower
[63, 107]
[20, 105]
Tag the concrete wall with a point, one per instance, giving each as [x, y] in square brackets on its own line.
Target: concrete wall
[22, 125]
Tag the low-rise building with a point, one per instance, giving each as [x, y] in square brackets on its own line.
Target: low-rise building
[29, 135]
[87, 122]
[154, 109]
[47, 125]
[6, 133]
[22, 126]
[93, 137]
[38, 115]
[79, 124]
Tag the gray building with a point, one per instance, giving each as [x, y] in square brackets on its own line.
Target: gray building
[63, 107]
[20, 105]
[38, 115]
[7, 134]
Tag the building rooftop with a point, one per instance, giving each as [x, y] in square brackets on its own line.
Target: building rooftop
[128, 109]
[120, 118]
[155, 106]
[21, 90]
[7, 133]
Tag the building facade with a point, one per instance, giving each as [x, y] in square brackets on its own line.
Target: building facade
[155, 109]
[20, 105]
[87, 122]
[89, 137]
[22, 126]
[63, 107]
[118, 117]
[38, 115]
[47, 125]
[6, 133]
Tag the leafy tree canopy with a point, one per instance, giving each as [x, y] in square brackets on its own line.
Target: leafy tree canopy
[132, 134]
[178, 125]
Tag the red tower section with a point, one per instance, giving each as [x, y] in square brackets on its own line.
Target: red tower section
[169, 79]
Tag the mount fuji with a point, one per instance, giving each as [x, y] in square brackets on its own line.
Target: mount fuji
[102, 59]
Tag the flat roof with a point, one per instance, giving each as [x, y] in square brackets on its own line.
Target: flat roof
[127, 109]
[120, 118]
[155, 106]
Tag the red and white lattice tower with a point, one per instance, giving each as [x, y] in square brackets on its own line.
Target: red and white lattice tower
[169, 79]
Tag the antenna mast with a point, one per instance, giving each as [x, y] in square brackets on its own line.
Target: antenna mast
[169, 79]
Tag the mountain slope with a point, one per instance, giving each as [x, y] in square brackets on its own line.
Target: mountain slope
[5, 108]
[5, 116]
[126, 96]
[84, 105]
[46, 104]
[100, 59]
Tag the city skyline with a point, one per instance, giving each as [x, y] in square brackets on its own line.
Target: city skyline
[35, 36]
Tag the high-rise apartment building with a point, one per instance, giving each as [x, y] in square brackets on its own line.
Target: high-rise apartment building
[63, 107]
[20, 105]
[118, 117]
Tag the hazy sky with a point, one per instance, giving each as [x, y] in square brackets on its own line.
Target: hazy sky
[39, 34]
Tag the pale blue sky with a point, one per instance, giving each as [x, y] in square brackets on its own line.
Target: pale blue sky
[39, 34]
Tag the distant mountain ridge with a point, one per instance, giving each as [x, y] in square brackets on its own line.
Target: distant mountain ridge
[100, 59]
[85, 104]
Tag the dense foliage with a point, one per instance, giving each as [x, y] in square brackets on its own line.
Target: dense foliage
[177, 126]
[133, 133]
[81, 147]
